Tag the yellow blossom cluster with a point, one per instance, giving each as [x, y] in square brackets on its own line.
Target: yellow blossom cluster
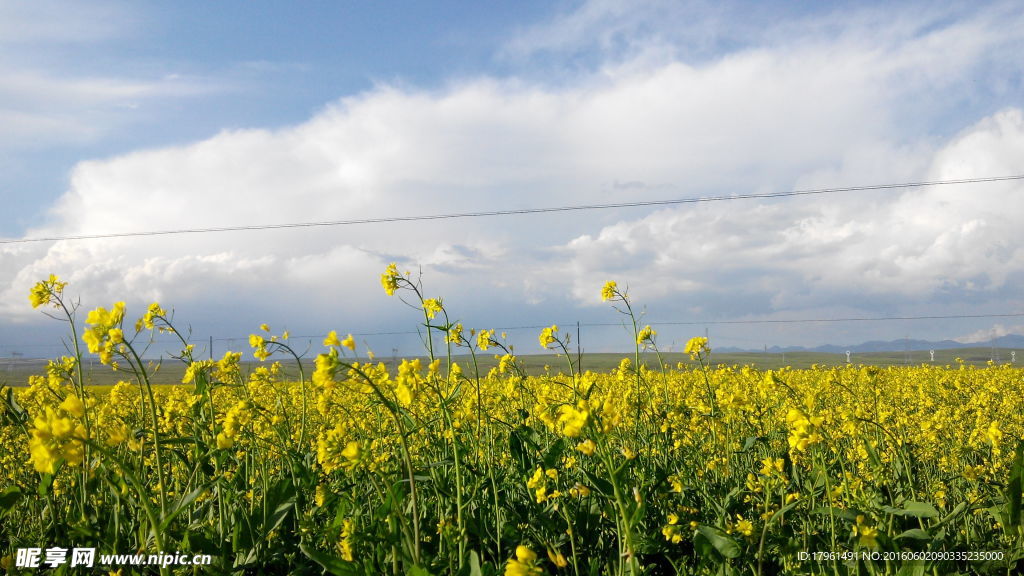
[103, 333]
[453, 461]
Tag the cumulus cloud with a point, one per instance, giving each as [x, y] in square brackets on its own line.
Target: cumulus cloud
[791, 112]
[986, 334]
[908, 244]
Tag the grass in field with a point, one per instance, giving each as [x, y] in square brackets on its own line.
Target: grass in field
[171, 372]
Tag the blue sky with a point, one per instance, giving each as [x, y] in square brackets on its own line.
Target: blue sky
[121, 116]
[174, 74]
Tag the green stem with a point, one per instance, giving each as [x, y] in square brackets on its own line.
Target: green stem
[140, 372]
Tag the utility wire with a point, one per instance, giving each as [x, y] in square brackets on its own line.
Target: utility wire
[294, 337]
[521, 211]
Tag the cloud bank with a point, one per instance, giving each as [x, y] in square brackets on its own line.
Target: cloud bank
[803, 105]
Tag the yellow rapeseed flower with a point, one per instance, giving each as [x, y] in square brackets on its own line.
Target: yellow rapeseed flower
[608, 291]
[103, 331]
[116, 434]
[228, 367]
[389, 279]
[73, 405]
[194, 369]
[259, 346]
[55, 438]
[573, 419]
[587, 447]
[347, 530]
[866, 535]
[455, 334]
[349, 342]
[332, 339]
[646, 335]
[672, 533]
[524, 564]
[536, 480]
[547, 336]
[431, 306]
[327, 366]
[334, 451]
[483, 339]
[45, 291]
[697, 347]
[676, 482]
[557, 558]
[743, 526]
[148, 319]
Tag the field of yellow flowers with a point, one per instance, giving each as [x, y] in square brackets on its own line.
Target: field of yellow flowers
[347, 468]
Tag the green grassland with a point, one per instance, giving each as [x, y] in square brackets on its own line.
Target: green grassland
[15, 372]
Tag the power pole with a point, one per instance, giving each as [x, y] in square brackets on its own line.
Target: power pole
[579, 350]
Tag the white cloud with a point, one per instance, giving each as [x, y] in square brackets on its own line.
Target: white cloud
[908, 244]
[54, 93]
[40, 109]
[820, 110]
[609, 25]
[63, 22]
[996, 331]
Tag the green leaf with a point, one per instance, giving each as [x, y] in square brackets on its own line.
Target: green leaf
[603, 486]
[844, 513]
[418, 571]
[332, 564]
[517, 448]
[474, 564]
[201, 384]
[183, 503]
[872, 453]
[13, 411]
[750, 442]
[723, 543]
[46, 482]
[392, 501]
[781, 511]
[960, 508]
[999, 513]
[914, 509]
[551, 457]
[195, 541]
[915, 534]
[703, 546]
[1016, 486]
[8, 498]
[281, 499]
[913, 568]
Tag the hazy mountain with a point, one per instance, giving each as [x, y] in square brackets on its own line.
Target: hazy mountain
[1008, 341]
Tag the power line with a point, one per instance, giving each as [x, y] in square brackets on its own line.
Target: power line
[520, 211]
[294, 337]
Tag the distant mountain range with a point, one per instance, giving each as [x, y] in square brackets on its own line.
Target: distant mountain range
[1008, 341]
